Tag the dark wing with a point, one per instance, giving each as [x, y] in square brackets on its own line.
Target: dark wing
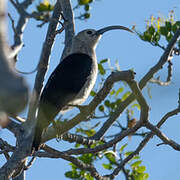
[66, 81]
[63, 85]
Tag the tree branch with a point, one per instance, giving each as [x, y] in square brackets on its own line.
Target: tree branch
[19, 29]
[101, 95]
[69, 26]
[68, 137]
[144, 142]
[149, 75]
[75, 161]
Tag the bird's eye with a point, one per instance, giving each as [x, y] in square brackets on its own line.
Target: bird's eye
[89, 32]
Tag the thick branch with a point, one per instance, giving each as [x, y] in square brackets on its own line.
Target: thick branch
[19, 29]
[69, 26]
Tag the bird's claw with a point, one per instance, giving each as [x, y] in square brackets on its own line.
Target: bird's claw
[56, 127]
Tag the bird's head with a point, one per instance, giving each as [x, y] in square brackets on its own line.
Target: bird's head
[88, 39]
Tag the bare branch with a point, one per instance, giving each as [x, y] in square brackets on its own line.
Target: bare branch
[69, 26]
[101, 95]
[169, 77]
[19, 29]
[75, 161]
[149, 75]
[5, 147]
[30, 163]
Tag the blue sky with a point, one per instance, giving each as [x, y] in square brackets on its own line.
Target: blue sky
[162, 162]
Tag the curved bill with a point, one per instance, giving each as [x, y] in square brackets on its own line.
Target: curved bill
[108, 28]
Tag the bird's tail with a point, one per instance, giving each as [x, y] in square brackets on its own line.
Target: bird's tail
[38, 131]
[37, 138]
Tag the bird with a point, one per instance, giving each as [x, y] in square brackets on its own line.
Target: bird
[72, 80]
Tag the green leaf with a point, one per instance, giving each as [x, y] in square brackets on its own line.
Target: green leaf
[111, 157]
[142, 176]
[101, 108]
[128, 153]
[87, 15]
[87, 7]
[147, 36]
[88, 176]
[169, 36]
[77, 145]
[86, 158]
[74, 167]
[175, 26]
[44, 6]
[151, 30]
[72, 174]
[141, 169]
[135, 157]
[107, 103]
[156, 37]
[136, 164]
[137, 106]
[83, 2]
[93, 93]
[168, 25]
[107, 166]
[125, 95]
[112, 92]
[118, 101]
[103, 61]
[113, 105]
[101, 69]
[123, 147]
[120, 90]
[90, 132]
[163, 31]
[146, 176]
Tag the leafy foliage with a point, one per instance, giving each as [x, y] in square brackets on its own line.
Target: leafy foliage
[160, 28]
[85, 4]
[45, 7]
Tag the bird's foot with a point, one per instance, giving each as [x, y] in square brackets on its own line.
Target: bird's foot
[57, 129]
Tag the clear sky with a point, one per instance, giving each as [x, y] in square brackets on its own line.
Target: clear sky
[162, 162]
